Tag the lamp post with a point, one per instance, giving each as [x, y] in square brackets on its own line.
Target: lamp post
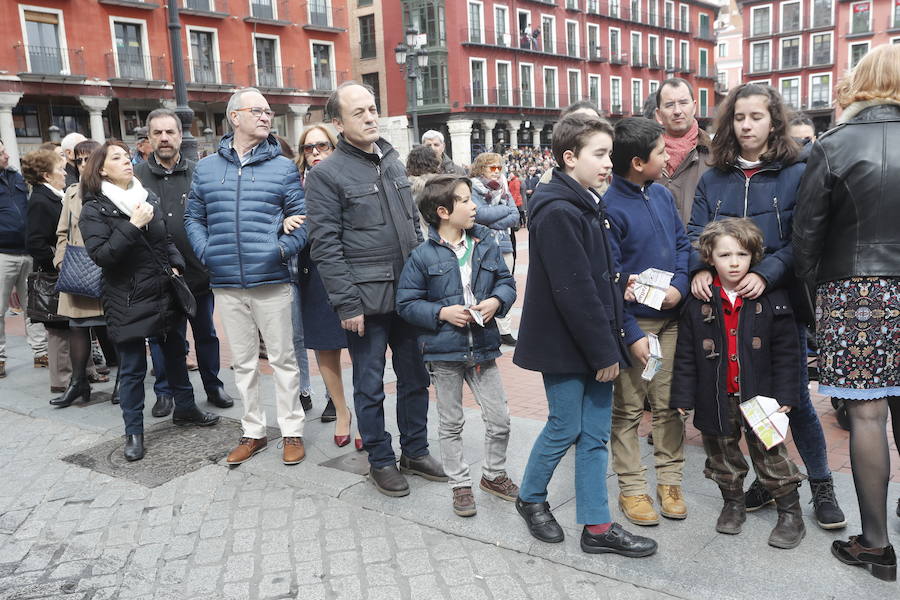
[184, 112]
[413, 58]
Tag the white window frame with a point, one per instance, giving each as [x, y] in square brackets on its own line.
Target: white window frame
[555, 70]
[761, 81]
[265, 36]
[895, 40]
[519, 12]
[333, 61]
[578, 96]
[609, 42]
[871, 10]
[830, 88]
[509, 80]
[505, 24]
[274, 11]
[665, 53]
[720, 46]
[760, 43]
[309, 13]
[552, 28]
[703, 102]
[145, 43]
[865, 43]
[640, 102]
[684, 23]
[597, 37]
[781, 6]
[61, 33]
[781, 81]
[666, 4]
[684, 53]
[577, 37]
[753, 10]
[813, 14]
[481, 19]
[895, 21]
[710, 67]
[781, 41]
[218, 62]
[615, 8]
[599, 81]
[640, 41]
[485, 85]
[652, 86]
[613, 80]
[812, 36]
[531, 82]
[653, 44]
[655, 20]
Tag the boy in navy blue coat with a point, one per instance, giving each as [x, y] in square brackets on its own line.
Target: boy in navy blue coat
[647, 233]
[452, 287]
[572, 333]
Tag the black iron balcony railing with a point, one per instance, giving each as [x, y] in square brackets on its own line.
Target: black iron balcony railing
[526, 40]
[270, 12]
[268, 76]
[206, 8]
[209, 72]
[50, 61]
[136, 67]
[322, 81]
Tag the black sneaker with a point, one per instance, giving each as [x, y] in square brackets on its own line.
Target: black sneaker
[617, 541]
[757, 496]
[306, 401]
[828, 514]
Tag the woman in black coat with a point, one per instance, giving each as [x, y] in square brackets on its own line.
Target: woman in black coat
[125, 234]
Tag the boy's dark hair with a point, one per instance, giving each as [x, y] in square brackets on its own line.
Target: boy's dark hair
[422, 160]
[635, 137]
[799, 118]
[744, 230]
[572, 133]
[438, 191]
[580, 105]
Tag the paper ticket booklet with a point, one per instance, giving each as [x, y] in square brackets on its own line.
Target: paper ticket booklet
[650, 287]
[769, 425]
[471, 301]
[654, 363]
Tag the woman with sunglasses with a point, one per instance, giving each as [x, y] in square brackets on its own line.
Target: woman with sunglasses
[497, 210]
[322, 330]
[125, 234]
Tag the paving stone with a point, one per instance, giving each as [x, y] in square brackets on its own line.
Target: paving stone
[275, 563]
[383, 593]
[277, 585]
[239, 567]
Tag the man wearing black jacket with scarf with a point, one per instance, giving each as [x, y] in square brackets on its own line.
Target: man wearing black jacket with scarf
[168, 175]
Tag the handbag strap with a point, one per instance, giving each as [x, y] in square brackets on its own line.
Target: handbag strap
[69, 228]
[168, 273]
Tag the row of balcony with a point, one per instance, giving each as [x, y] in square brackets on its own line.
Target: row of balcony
[142, 70]
[623, 11]
[802, 62]
[314, 14]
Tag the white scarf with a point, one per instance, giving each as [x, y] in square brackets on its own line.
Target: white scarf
[59, 193]
[125, 200]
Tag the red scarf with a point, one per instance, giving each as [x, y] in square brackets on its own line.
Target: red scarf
[679, 147]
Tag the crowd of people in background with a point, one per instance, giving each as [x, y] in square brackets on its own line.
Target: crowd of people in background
[336, 244]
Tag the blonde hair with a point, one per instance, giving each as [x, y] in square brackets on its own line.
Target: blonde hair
[481, 162]
[877, 76]
[301, 156]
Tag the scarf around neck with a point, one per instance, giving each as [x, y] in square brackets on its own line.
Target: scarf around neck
[125, 200]
[679, 147]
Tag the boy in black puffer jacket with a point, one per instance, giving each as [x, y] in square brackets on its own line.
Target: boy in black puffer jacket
[729, 350]
[459, 270]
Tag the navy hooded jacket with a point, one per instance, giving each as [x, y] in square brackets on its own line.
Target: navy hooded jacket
[235, 213]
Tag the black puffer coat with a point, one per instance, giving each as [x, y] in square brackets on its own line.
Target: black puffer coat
[137, 295]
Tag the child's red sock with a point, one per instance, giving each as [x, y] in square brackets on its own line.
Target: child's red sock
[598, 529]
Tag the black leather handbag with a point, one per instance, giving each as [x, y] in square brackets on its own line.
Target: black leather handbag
[43, 299]
[183, 293]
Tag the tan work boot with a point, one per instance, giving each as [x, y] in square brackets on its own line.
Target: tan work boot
[639, 509]
[294, 452]
[671, 502]
[246, 448]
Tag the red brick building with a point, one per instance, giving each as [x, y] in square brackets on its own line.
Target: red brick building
[802, 47]
[500, 70]
[100, 66]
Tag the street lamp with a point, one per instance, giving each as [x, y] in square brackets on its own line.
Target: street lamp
[413, 58]
[184, 112]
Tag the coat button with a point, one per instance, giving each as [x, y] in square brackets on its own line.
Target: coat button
[606, 223]
[622, 332]
[618, 275]
[736, 379]
[732, 357]
[732, 331]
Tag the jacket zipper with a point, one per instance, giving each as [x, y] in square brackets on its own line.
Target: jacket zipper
[237, 222]
[778, 217]
[746, 193]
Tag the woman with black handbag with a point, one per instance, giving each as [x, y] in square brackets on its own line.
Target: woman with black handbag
[125, 234]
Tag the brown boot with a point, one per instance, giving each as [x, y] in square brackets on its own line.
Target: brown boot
[789, 531]
[245, 449]
[639, 509]
[671, 502]
[293, 450]
[733, 514]
[41, 362]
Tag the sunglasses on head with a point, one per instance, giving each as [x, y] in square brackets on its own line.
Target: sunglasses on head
[320, 146]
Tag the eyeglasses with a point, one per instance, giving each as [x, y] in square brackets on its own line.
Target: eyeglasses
[320, 146]
[495, 168]
[81, 160]
[257, 111]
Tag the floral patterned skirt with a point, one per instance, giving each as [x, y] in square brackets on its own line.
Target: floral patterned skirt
[858, 332]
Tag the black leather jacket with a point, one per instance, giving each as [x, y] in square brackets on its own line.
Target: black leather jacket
[848, 206]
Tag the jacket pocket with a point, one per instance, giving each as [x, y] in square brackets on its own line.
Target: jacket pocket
[443, 280]
[363, 208]
[375, 283]
[404, 190]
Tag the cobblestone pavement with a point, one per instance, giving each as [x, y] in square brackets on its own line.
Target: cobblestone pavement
[71, 533]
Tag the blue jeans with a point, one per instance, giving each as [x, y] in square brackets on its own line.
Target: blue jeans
[368, 356]
[206, 343]
[299, 347]
[805, 425]
[133, 369]
[580, 414]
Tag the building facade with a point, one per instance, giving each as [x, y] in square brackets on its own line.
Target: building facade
[100, 66]
[802, 47]
[499, 71]
[729, 47]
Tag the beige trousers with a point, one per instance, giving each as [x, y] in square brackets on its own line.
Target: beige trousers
[628, 409]
[266, 308]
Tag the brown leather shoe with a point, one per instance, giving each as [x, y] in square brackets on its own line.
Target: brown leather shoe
[502, 487]
[41, 362]
[463, 501]
[671, 502]
[2, 368]
[246, 448]
[639, 509]
[293, 450]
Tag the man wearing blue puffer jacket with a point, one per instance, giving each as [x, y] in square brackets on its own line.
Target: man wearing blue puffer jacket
[456, 275]
[238, 200]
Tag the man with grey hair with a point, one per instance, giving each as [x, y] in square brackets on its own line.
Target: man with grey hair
[68, 144]
[363, 225]
[237, 202]
[435, 140]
